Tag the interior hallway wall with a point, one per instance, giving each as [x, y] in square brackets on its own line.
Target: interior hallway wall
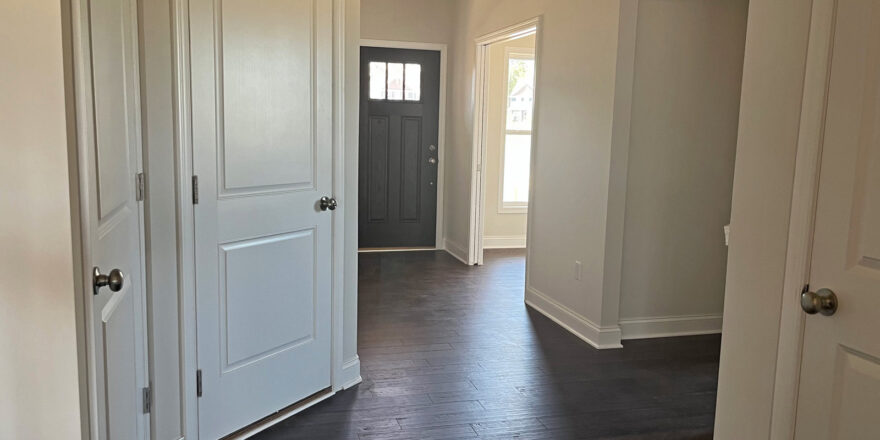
[39, 371]
[500, 229]
[423, 21]
[577, 52]
[685, 111]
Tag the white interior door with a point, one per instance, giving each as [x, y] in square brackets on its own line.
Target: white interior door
[262, 152]
[839, 392]
[110, 159]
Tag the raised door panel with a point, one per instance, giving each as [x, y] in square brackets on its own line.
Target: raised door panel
[410, 168]
[267, 297]
[377, 177]
[112, 95]
[266, 52]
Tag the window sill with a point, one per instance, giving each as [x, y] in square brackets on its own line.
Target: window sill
[513, 209]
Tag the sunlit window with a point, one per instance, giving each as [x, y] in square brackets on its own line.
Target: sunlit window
[395, 81]
[520, 86]
[413, 83]
[377, 80]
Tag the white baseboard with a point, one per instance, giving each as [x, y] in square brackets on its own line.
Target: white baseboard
[351, 372]
[578, 325]
[456, 250]
[504, 241]
[666, 326]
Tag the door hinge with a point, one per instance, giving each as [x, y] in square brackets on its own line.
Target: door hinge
[139, 187]
[195, 189]
[198, 383]
[148, 399]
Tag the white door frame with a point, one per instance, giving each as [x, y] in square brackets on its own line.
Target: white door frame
[801, 222]
[439, 235]
[185, 239]
[478, 165]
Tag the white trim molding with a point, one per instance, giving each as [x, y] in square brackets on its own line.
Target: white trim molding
[439, 235]
[504, 241]
[456, 250]
[667, 326]
[577, 324]
[801, 220]
[351, 373]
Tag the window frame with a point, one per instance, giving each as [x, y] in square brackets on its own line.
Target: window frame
[524, 53]
[403, 84]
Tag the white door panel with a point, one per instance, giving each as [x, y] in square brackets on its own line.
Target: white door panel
[109, 128]
[262, 145]
[839, 391]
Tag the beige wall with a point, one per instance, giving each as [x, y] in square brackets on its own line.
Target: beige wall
[772, 89]
[576, 78]
[38, 355]
[423, 21]
[685, 108]
[507, 225]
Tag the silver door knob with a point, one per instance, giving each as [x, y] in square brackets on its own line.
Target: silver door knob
[432, 160]
[824, 301]
[114, 280]
[328, 203]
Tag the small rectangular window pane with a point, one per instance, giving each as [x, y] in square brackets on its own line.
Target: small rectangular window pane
[413, 82]
[395, 81]
[520, 93]
[517, 149]
[377, 80]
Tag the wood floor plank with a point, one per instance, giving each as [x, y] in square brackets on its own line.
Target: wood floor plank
[450, 351]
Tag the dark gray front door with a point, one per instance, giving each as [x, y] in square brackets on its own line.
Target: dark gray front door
[400, 95]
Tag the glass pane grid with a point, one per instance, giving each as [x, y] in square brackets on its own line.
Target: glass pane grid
[395, 81]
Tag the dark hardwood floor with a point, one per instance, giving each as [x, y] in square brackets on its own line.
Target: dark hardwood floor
[451, 352]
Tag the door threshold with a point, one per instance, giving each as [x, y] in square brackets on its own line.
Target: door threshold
[399, 249]
[280, 416]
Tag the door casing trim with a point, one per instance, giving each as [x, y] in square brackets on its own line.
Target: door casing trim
[478, 152]
[801, 221]
[440, 234]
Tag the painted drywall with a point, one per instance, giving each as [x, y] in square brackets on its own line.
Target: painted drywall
[423, 21]
[772, 88]
[38, 331]
[499, 228]
[577, 50]
[684, 116]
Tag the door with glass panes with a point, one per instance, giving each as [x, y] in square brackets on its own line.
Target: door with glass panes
[398, 160]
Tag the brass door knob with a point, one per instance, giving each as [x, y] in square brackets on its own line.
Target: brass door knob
[823, 301]
[114, 280]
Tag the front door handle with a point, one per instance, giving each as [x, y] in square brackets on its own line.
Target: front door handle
[328, 203]
[823, 301]
[114, 280]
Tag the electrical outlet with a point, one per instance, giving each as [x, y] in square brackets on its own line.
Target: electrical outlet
[578, 270]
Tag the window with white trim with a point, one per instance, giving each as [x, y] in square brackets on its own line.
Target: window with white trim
[519, 84]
